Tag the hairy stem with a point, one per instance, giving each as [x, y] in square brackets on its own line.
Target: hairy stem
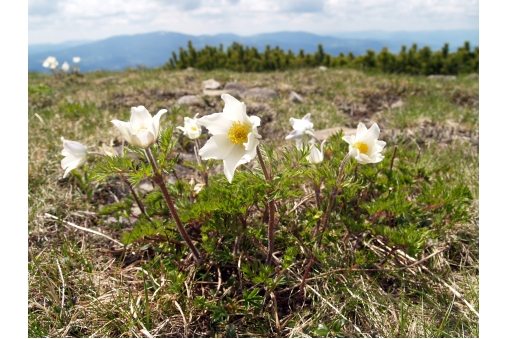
[271, 209]
[159, 180]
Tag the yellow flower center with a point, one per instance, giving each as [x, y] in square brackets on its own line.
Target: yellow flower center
[238, 133]
[362, 147]
[194, 128]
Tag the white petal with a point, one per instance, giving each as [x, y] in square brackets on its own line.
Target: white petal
[71, 162]
[217, 147]
[255, 121]
[234, 110]
[216, 123]
[143, 138]
[362, 158]
[252, 142]
[299, 144]
[140, 118]
[372, 134]
[380, 144]
[74, 147]
[249, 154]
[155, 122]
[350, 139]
[361, 130]
[234, 159]
[294, 135]
[124, 128]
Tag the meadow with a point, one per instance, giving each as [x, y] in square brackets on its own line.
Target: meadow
[399, 257]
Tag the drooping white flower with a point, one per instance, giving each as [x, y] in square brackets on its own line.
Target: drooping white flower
[65, 66]
[142, 130]
[50, 62]
[108, 151]
[301, 127]
[191, 127]
[364, 146]
[316, 156]
[235, 135]
[75, 155]
[76, 60]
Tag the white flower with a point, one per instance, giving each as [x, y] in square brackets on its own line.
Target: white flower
[50, 62]
[142, 130]
[364, 146]
[235, 135]
[316, 156]
[75, 155]
[196, 188]
[191, 127]
[76, 60]
[108, 151]
[65, 66]
[300, 128]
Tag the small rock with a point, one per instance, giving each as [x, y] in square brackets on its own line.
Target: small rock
[216, 92]
[295, 97]
[145, 186]
[234, 89]
[190, 100]
[322, 68]
[262, 93]
[326, 133]
[442, 77]
[397, 104]
[210, 84]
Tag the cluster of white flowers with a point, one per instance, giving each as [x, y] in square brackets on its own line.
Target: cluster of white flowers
[52, 63]
[234, 137]
[364, 146]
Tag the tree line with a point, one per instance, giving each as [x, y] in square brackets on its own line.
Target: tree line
[413, 61]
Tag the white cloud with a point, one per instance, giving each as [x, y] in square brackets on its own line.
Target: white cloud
[61, 20]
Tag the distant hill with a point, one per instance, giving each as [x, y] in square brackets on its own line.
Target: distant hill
[154, 49]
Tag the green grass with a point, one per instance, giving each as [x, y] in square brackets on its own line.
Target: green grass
[363, 284]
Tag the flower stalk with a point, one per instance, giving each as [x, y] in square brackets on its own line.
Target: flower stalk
[271, 210]
[159, 180]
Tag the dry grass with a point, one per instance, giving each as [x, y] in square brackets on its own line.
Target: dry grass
[83, 284]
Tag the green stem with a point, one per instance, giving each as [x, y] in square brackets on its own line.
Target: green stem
[159, 180]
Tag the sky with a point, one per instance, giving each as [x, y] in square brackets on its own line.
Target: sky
[56, 21]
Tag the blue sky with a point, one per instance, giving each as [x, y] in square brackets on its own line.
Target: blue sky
[54, 21]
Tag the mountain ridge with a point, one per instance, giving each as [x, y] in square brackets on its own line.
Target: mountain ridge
[154, 49]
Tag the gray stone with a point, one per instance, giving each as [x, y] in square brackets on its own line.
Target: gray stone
[442, 77]
[190, 100]
[234, 89]
[235, 86]
[216, 92]
[261, 93]
[295, 97]
[326, 133]
[210, 84]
